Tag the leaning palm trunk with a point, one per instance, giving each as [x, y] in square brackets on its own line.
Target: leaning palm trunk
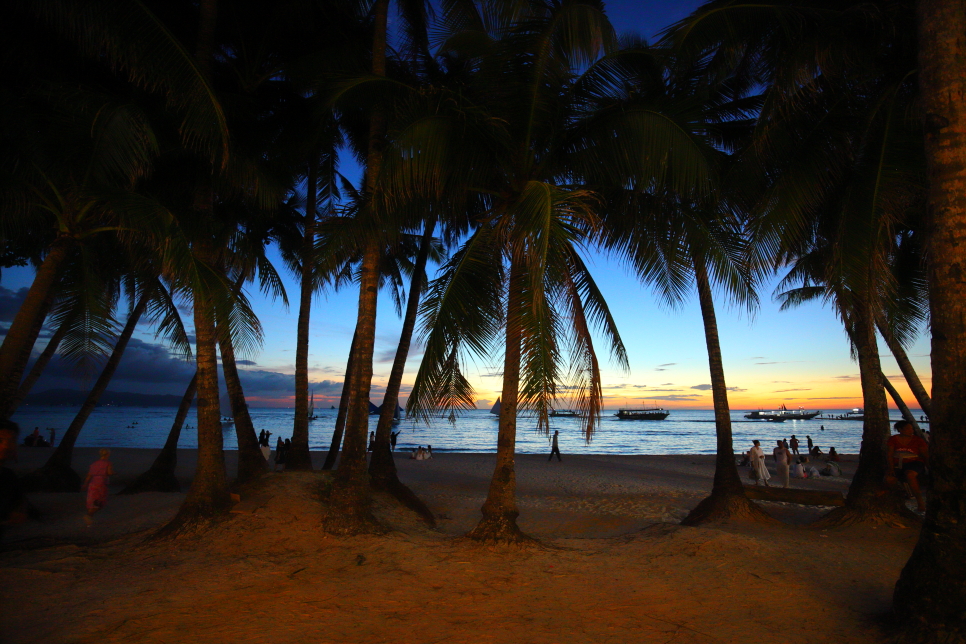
[160, 476]
[22, 334]
[901, 404]
[382, 468]
[499, 522]
[349, 500]
[727, 500]
[337, 433]
[251, 462]
[208, 496]
[298, 457]
[57, 475]
[868, 499]
[932, 589]
[350, 494]
[39, 366]
[905, 366]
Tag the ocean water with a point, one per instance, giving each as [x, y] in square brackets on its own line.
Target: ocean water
[683, 432]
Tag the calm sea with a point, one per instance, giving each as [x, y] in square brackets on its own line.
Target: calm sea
[683, 432]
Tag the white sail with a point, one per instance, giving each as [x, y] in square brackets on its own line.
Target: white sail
[496, 407]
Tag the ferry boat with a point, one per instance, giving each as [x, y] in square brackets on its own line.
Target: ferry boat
[855, 414]
[783, 413]
[645, 413]
[564, 413]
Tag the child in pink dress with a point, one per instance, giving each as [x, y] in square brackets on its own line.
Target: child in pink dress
[96, 484]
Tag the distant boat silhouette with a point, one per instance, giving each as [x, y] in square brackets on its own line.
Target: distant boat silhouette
[312, 415]
[496, 407]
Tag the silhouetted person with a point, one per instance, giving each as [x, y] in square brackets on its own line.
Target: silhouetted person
[13, 502]
[261, 438]
[53, 433]
[372, 441]
[554, 447]
[810, 444]
[909, 456]
[279, 453]
[392, 439]
[429, 451]
[794, 445]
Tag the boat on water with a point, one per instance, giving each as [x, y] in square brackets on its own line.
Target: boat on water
[564, 413]
[644, 413]
[784, 413]
[855, 414]
[495, 409]
[312, 415]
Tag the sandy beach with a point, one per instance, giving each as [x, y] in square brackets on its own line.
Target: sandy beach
[613, 565]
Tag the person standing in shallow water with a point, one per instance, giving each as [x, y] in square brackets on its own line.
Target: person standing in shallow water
[794, 445]
[554, 446]
[96, 482]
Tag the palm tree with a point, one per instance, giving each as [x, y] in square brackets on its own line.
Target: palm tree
[520, 271]
[932, 588]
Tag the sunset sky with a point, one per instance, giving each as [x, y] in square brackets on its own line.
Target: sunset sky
[798, 357]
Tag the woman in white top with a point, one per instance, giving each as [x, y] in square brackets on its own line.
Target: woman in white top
[756, 458]
[782, 458]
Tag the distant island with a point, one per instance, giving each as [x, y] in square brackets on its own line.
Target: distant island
[75, 398]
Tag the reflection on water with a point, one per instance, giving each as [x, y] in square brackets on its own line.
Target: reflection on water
[684, 431]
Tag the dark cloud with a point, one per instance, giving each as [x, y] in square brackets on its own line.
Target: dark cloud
[492, 374]
[246, 363]
[384, 356]
[676, 397]
[833, 398]
[666, 384]
[667, 364]
[702, 387]
[736, 389]
[757, 358]
[785, 391]
[660, 370]
[856, 377]
[781, 382]
[649, 391]
[10, 302]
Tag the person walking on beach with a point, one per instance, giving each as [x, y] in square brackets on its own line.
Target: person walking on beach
[554, 446]
[756, 460]
[810, 443]
[783, 459]
[794, 445]
[96, 482]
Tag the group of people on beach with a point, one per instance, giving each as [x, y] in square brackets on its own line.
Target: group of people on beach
[36, 440]
[789, 463]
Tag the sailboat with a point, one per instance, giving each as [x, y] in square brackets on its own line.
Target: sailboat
[496, 407]
[227, 415]
[312, 415]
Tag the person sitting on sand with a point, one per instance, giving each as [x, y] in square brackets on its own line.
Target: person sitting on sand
[429, 451]
[756, 457]
[798, 470]
[414, 454]
[833, 455]
[98, 476]
[816, 451]
[908, 455]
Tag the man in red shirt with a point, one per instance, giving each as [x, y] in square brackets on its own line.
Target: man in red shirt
[908, 456]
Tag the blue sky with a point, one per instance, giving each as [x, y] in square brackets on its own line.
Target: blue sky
[798, 357]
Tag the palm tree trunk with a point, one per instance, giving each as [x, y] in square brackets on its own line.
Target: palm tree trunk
[298, 457]
[39, 366]
[867, 499]
[499, 522]
[22, 334]
[57, 475]
[382, 467]
[160, 476]
[350, 494]
[727, 499]
[912, 378]
[337, 433]
[251, 462]
[208, 496]
[901, 404]
[932, 588]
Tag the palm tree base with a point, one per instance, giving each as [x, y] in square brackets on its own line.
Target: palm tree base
[384, 476]
[500, 528]
[193, 518]
[52, 478]
[726, 508]
[348, 511]
[252, 465]
[874, 509]
[298, 460]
